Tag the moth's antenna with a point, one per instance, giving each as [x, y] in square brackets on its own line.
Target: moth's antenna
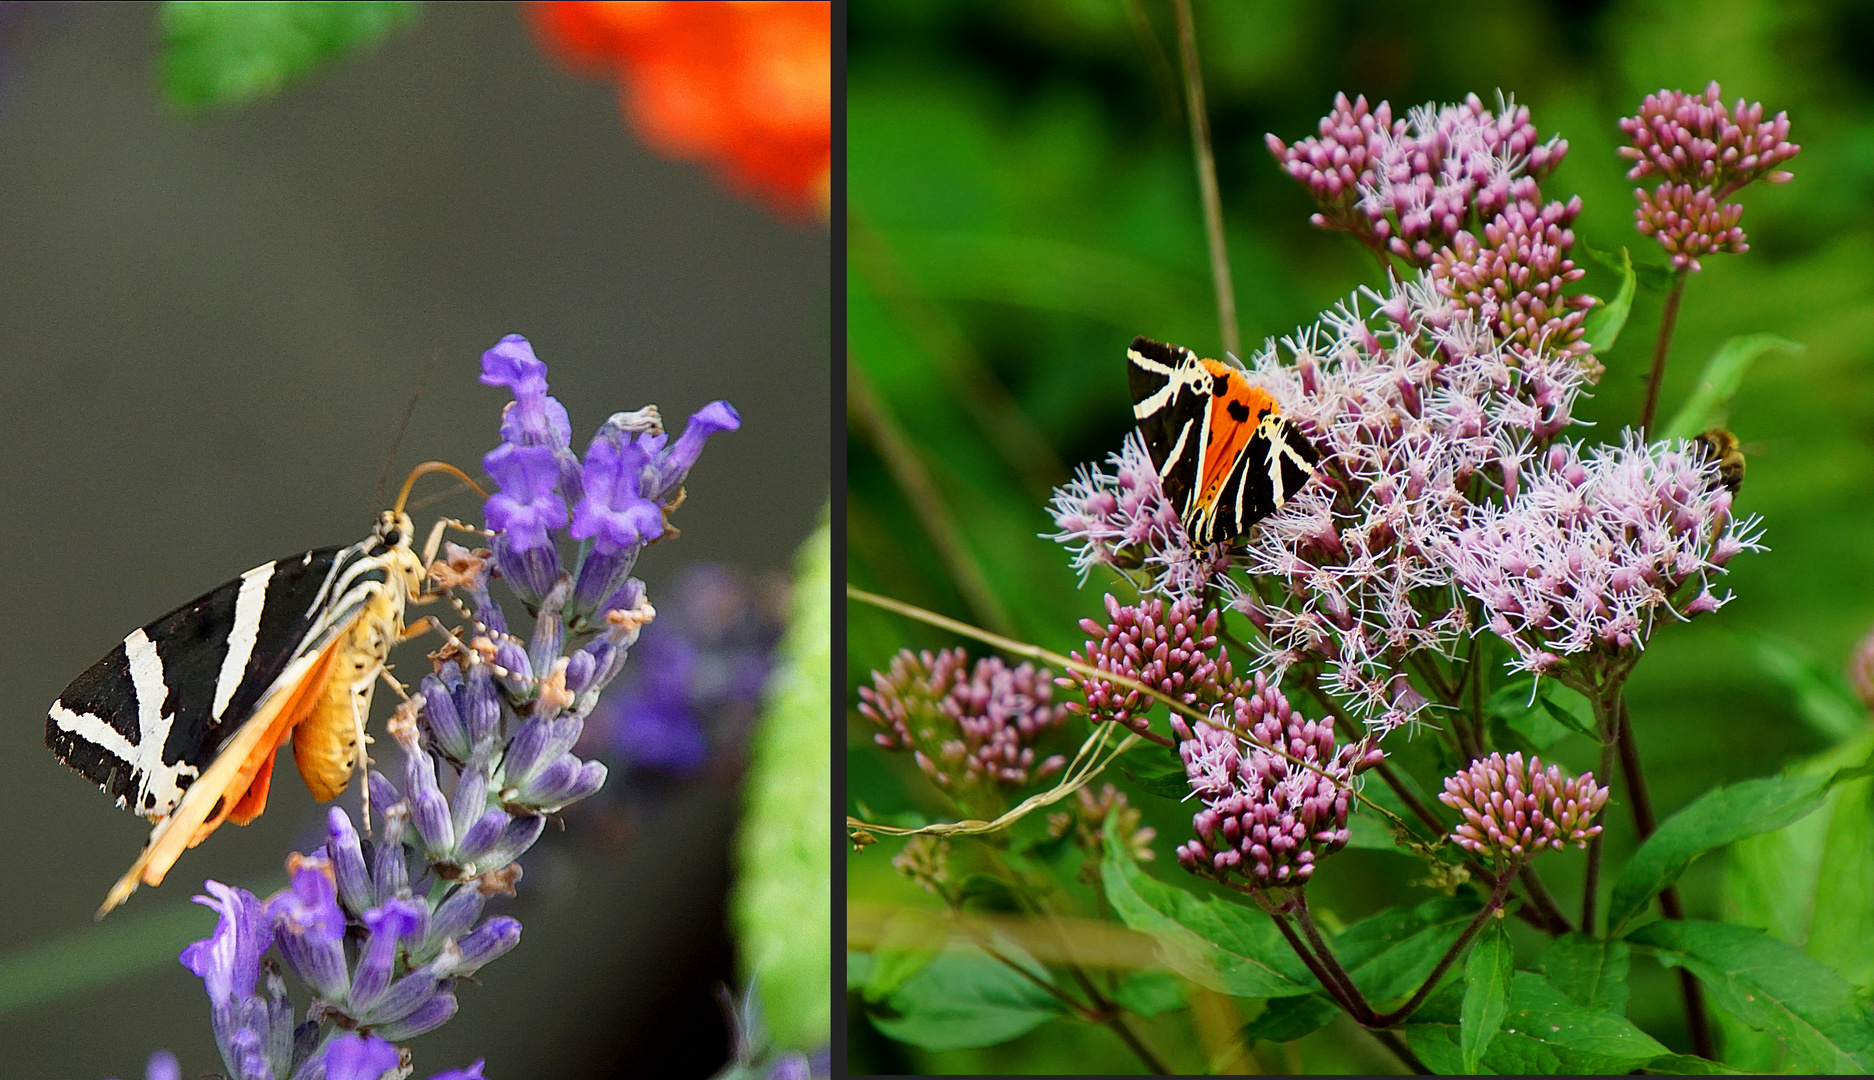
[430, 467]
[429, 373]
[435, 497]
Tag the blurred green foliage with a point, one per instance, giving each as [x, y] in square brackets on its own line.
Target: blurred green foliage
[218, 52]
[783, 854]
[1023, 202]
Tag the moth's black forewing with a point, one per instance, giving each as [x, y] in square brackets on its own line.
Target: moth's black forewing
[1182, 415]
[192, 644]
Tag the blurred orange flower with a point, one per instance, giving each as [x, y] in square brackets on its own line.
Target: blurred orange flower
[744, 85]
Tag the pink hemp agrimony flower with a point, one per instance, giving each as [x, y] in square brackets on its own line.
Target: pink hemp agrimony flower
[1704, 153]
[1265, 818]
[967, 727]
[1591, 549]
[1122, 519]
[1419, 409]
[1512, 813]
[1514, 278]
[1407, 187]
[1169, 650]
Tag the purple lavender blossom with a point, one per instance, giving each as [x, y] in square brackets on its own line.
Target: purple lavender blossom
[1169, 650]
[1704, 153]
[1265, 819]
[1593, 549]
[1512, 813]
[1408, 187]
[253, 1030]
[970, 729]
[162, 1066]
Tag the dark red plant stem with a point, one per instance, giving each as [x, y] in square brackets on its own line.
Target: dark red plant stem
[1313, 962]
[1457, 949]
[1361, 1010]
[1697, 1023]
[1667, 318]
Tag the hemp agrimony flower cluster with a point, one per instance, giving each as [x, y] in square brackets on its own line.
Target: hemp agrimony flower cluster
[382, 929]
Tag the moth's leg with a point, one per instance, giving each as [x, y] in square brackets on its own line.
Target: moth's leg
[360, 710]
[434, 542]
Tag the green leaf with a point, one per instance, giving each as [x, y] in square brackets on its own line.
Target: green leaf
[1689, 1065]
[1807, 884]
[1287, 1019]
[782, 905]
[1372, 832]
[1603, 325]
[1710, 403]
[967, 998]
[1487, 974]
[1591, 971]
[1771, 987]
[910, 940]
[1823, 697]
[1156, 774]
[220, 53]
[1542, 711]
[1713, 820]
[1227, 947]
[1150, 993]
[1391, 953]
[1543, 1033]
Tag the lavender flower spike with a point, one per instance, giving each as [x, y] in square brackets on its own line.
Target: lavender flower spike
[253, 1031]
[533, 418]
[522, 513]
[615, 516]
[672, 467]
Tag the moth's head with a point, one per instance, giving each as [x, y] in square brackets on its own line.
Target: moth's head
[393, 529]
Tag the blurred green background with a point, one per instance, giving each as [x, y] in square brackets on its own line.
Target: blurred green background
[1023, 202]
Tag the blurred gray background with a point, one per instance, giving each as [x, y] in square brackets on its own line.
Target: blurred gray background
[211, 330]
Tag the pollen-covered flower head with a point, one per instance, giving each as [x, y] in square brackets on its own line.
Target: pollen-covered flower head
[1512, 813]
[1596, 545]
[1266, 817]
[1165, 646]
[969, 728]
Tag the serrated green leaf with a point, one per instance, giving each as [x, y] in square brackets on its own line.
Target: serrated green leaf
[1153, 773]
[1229, 948]
[1389, 954]
[217, 52]
[783, 902]
[1709, 405]
[1487, 974]
[967, 998]
[1287, 1019]
[1771, 987]
[1713, 820]
[1823, 697]
[1150, 993]
[1604, 323]
[1543, 1033]
[1592, 972]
